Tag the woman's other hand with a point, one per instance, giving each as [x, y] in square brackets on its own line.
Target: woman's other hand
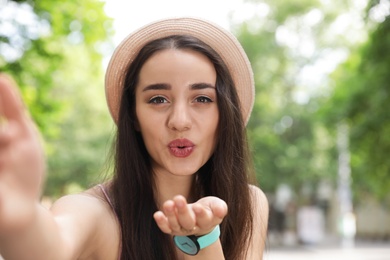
[22, 163]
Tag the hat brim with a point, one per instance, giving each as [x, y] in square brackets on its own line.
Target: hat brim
[221, 40]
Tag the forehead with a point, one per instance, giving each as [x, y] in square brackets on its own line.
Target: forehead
[178, 63]
[184, 56]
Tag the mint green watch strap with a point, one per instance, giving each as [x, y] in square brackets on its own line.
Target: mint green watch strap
[210, 238]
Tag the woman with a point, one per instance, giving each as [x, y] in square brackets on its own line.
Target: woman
[181, 92]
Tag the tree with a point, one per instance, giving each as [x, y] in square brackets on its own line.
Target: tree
[54, 49]
[361, 97]
[289, 140]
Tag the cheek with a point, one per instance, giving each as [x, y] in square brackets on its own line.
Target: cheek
[213, 129]
[139, 114]
[147, 126]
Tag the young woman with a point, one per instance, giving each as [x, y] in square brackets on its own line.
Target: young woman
[180, 91]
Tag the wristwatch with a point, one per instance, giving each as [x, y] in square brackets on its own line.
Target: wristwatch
[191, 245]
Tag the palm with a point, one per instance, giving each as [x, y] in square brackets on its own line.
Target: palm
[185, 219]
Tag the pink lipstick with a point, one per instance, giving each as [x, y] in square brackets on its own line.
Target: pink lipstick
[181, 147]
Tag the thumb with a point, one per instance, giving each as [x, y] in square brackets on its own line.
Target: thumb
[217, 206]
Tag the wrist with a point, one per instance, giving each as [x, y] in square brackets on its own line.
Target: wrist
[191, 245]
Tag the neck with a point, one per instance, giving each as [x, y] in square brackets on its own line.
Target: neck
[168, 186]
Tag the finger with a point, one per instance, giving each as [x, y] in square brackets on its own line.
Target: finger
[169, 210]
[7, 132]
[11, 105]
[204, 218]
[13, 113]
[162, 222]
[219, 208]
[209, 213]
[186, 216]
[4, 131]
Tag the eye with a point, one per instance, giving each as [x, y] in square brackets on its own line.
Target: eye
[157, 100]
[203, 99]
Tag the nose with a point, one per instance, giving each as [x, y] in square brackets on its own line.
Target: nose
[179, 118]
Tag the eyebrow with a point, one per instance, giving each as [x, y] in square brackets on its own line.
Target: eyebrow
[163, 86]
[201, 86]
[158, 86]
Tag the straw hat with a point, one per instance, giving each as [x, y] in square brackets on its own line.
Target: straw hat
[222, 41]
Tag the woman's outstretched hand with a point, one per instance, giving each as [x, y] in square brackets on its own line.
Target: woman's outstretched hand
[22, 163]
[177, 217]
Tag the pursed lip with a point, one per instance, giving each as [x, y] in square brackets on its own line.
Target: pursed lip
[181, 147]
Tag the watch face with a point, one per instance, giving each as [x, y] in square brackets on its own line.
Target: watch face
[187, 244]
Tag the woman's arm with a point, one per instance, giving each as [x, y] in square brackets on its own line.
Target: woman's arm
[27, 230]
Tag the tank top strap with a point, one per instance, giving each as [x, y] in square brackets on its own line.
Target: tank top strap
[112, 207]
[106, 196]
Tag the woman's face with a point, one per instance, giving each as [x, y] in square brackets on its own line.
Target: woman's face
[177, 111]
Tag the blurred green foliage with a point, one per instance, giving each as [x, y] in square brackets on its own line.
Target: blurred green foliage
[290, 144]
[361, 97]
[294, 142]
[53, 49]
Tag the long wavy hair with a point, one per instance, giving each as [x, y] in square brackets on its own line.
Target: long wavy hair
[226, 174]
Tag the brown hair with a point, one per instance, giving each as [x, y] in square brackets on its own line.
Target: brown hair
[225, 175]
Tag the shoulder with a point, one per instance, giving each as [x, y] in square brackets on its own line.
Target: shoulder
[84, 205]
[85, 221]
[259, 200]
[260, 208]
[260, 223]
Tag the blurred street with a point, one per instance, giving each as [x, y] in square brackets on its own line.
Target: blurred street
[361, 251]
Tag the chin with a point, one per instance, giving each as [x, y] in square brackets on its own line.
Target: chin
[184, 171]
